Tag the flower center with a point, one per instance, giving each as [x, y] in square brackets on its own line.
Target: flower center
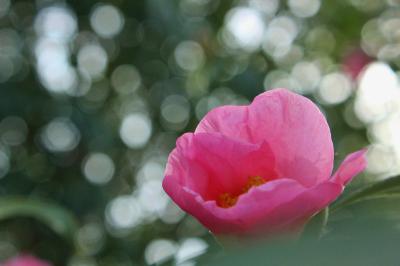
[227, 200]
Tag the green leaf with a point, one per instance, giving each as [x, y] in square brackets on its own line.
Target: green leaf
[315, 227]
[57, 218]
[388, 188]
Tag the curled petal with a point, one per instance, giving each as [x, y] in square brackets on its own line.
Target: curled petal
[352, 165]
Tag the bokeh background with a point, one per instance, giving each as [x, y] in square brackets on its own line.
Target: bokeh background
[94, 94]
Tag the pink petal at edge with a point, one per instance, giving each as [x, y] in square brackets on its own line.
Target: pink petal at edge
[25, 260]
[352, 165]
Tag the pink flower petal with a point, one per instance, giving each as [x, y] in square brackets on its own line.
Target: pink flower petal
[25, 260]
[281, 137]
[255, 205]
[212, 164]
[276, 206]
[229, 120]
[292, 125]
[294, 214]
[352, 165]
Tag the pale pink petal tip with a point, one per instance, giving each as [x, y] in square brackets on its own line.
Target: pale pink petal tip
[352, 165]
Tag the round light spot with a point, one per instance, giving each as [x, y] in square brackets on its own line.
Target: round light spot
[55, 72]
[269, 7]
[58, 77]
[335, 88]
[320, 39]
[125, 79]
[307, 75]
[150, 171]
[98, 168]
[350, 117]
[107, 20]
[378, 93]
[385, 132]
[279, 36]
[246, 26]
[372, 37]
[56, 22]
[189, 55]
[190, 248]
[152, 197]
[60, 135]
[205, 104]
[304, 8]
[135, 130]
[90, 238]
[281, 79]
[92, 60]
[124, 212]
[175, 112]
[13, 130]
[381, 159]
[48, 50]
[159, 250]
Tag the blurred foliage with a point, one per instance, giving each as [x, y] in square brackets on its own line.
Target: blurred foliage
[94, 94]
[352, 247]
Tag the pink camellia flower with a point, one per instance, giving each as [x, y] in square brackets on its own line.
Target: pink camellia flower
[265, 167]
[25, 260]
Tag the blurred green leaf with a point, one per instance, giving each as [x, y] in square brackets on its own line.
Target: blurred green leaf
[368, 242]
[387, 188]
[57, 218]
[315, 227]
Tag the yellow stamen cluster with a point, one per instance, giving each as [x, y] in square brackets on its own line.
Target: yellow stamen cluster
[254, 181]
[226, 200]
